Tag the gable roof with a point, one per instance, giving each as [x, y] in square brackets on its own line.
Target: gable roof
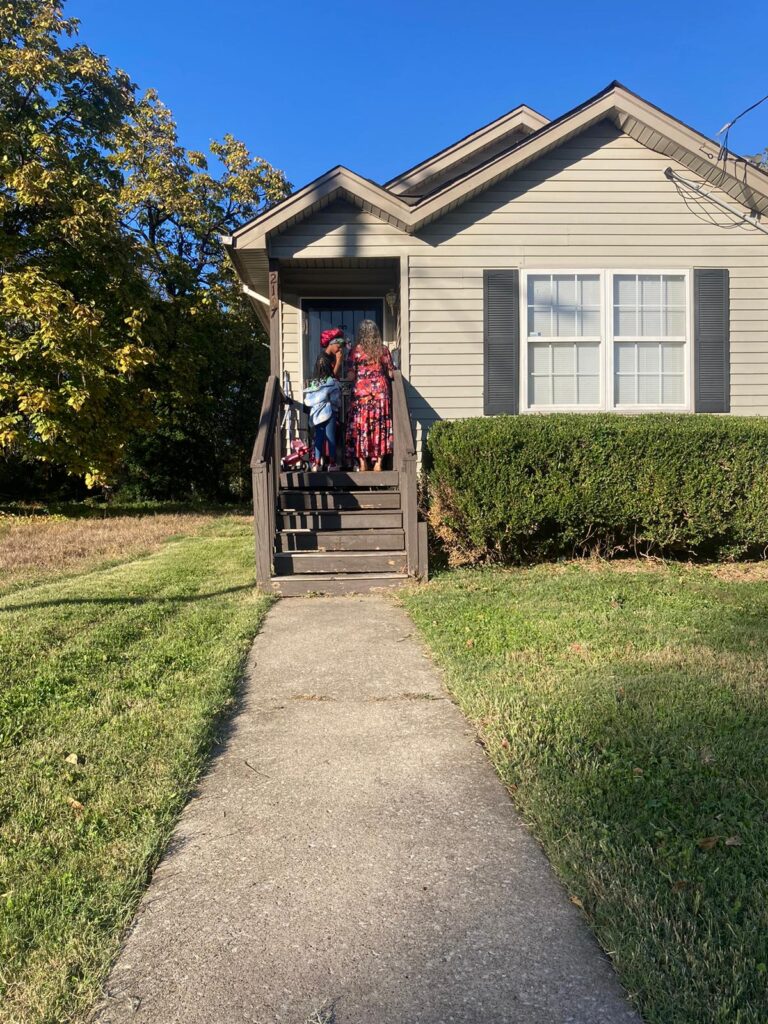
[470, 151]
[478, 165]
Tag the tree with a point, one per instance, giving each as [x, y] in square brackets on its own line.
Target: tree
[72, 300]
[125, 347]
[210, 357]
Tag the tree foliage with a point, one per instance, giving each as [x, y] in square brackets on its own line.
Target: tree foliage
[125, 348]
[71, 302]
[210, 365]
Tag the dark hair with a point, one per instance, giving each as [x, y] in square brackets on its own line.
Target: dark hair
[323, 367]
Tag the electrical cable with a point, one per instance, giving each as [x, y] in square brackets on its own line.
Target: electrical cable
[727, 127]
[678, 179]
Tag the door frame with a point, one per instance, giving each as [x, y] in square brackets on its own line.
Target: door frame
[311, 300]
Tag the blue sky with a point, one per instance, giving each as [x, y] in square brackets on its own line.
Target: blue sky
[379, 86]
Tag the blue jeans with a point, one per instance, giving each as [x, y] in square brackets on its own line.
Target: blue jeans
[325, 432]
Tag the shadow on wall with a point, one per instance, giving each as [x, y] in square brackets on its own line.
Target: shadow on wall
[528, 177]
[423, 415]
[340, 224]
[542, 170]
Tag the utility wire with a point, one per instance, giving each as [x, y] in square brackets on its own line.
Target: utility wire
[727, 127]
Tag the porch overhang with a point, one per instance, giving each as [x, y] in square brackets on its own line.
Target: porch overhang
[306, 275]
[356, 275]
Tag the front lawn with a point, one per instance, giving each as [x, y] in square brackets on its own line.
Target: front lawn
[36, 547]
[113, 681]
[626, 708]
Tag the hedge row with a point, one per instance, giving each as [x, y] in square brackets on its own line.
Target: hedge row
[524, 488]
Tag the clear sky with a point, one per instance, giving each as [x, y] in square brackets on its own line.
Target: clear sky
[379, 86]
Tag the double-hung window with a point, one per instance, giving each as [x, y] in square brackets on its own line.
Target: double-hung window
[564, 336]
[605, 340]
[649, 332]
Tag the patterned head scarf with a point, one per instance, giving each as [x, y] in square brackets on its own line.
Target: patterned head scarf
[330, 335]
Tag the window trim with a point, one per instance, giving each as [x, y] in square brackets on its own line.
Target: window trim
[607, 341]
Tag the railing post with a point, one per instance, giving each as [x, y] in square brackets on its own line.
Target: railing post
[277, 452]
[423, 571]
[404, 462]
[262, 525]
[274, 318]
[265, 467]
[409, 498]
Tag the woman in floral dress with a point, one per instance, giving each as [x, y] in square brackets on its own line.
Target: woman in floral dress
[369, 424]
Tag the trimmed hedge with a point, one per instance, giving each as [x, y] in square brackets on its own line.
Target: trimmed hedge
[524, 488]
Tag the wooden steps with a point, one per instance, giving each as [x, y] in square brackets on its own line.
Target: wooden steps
[292, 562]
[333, 583]
[340, 519]
[337, 500]
[343, 480]
[338, 533]
[340, 540]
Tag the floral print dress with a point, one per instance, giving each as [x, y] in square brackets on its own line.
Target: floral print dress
[369, 426]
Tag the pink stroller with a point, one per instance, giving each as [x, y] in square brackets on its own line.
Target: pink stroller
[298, 457]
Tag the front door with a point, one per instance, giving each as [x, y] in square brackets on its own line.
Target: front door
[321, 314]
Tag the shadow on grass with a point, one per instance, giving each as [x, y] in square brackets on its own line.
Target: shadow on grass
[180, 599]
[86, 510]
[655, 812]
[642, 771]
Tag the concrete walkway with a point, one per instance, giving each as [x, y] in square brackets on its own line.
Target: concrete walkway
[351, 857]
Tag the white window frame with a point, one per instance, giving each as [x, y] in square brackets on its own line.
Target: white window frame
[607, 341]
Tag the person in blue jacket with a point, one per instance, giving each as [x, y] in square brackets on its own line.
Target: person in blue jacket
[322, 400]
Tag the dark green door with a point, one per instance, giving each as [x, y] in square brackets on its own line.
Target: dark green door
[321, 314]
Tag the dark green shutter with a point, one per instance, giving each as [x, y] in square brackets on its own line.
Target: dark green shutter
[501, 341]
[711, 336]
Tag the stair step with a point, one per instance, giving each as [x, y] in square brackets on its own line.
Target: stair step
[351, 519]
[343, 480]
[340, 540]
[360, 583]
[332, 500]
[288, 563]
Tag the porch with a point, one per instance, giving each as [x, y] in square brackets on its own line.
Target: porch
[344, 531]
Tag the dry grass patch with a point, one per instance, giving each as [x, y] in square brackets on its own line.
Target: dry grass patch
[621, 566]
[32, 549]
[736, 572]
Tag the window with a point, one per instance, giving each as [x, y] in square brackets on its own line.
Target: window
[606, 340]
[562, 371]
[649, 339]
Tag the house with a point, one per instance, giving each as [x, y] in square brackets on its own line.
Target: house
[611, 259]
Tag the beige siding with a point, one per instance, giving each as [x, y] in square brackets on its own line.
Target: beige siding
[600, 201]
[340, 230]
[291, 340]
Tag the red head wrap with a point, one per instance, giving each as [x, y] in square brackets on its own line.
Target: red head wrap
[330, 335]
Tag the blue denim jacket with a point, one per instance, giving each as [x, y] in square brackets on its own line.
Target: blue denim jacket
[322, 399]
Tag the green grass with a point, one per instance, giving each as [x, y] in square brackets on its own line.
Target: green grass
[628, 714]
[130, 668]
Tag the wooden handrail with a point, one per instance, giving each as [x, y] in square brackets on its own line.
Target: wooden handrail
[265, 473]
[404, 461]
[265, 468]
[270, 407]
[403, 431]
